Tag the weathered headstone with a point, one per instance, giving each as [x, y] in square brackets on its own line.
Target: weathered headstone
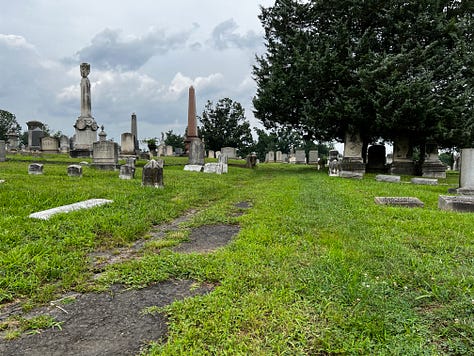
[387, 178]
[196, 152]
[224, 163]
[168, 151]
[424, 181]
[466, 176]
[300, 156]
[13, 140]
[3, 151]
[230, 152]
[105, 153]
[351, 175]
[50, 145]
[127, 172]
[194, 167]
[270, 157]
[432, 166]
[251, 160]
[35, 168]
[376, 159]
[284, 157]
[402, 163]
[461, 203]
[64, 144]
[352, 159]
[127, 146]
[211, 154]
[85, 126]
[87, 204]
[313, 157]
[213, 168]
[152, 174]
[409, 202]
[35, 133]
[278, 157]
[74, 170]
[333, 163]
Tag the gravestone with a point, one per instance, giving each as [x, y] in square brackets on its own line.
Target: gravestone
[35, 168]
[230, 152]
[105, 153]
[152, 174]
[461, 203]
[313, 157]
[284, 157]
[251, 160]
[213, 168]
[196, 152]
[432, 166]
[333, 163]
[300, 156]
[211, 154]
[87, 204]
[402, 162]
[278, 157]
[351, 175]
[168, 151]
[270, 157]
[127, 145]
[424, 181]
[3, 151]
[127, 172]
[409, 202]
[376, 159]
[387, 178]
[50, 145]
[223, 160]
[35, 133]
[74, 170]
[352, 158]
[64, 144]
[178, 151]
[85, 126]
[194, 167]
[466, 175]
[13, 140]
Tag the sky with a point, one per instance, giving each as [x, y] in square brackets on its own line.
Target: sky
[144, 55]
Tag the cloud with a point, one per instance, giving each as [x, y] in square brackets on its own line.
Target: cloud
[224, 36]
[109, 50]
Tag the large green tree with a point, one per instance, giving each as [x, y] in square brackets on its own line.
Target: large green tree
[175, 140]
[224, 125]
[8, 123]
[383, 68]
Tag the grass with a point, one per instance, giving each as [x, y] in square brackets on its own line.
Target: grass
[317, 268]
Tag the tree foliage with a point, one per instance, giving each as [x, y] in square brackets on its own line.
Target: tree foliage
[383, 68]
[175, 140]
[225, 125]
[8, 123]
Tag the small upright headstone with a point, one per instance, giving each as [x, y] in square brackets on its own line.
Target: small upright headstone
[333, 163]
[152, 174]
[313, 156]
[127, 172]
[168, 151]
[278, 157]
[231, 152]
[196, 152]
[432, 166]
[211, 154]
[63, 144]
[300, 156]
[251, 160]
[270, 158]
[49, 144]
[376, 159]
[127, 144]
[223, 161]
[74, 170]
[35, 168]
[3, 151]
[105, 153]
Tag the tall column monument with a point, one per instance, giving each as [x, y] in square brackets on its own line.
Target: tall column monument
[85, 126]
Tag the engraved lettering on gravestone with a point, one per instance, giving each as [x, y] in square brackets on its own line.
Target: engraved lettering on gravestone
[399, 201]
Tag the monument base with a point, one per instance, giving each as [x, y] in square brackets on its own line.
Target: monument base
[406, 168]
[105, 166]
[465, 191]
[80, 153]
[354, 165]
[433, 169]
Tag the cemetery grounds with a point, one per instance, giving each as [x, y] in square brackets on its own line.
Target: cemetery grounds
[313, 266]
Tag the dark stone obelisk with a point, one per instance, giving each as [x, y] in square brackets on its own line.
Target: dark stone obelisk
[135, 133]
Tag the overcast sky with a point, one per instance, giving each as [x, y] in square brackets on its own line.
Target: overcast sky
[144, 54]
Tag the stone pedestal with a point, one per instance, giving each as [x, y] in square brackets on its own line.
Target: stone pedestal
[466, 176]
[402, 163]
[432, 166]
[105, 153]
[50, 145]
[196, 152]
[352, 159]
[127, 145]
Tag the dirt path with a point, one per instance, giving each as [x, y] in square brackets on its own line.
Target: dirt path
[114, 322]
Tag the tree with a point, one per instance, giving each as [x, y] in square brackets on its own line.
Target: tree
[8, 123]
[174, 140]
[224, 125]
[383, 68]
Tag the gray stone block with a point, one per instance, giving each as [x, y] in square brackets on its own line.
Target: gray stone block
[463, 204]
[409, 202]
[387, 178]
[424, 181]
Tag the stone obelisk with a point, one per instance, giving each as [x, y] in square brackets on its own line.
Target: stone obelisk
[86, 126]
[194, 145]
[135, 133]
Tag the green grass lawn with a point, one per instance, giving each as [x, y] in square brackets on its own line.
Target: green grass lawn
[317, 268]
